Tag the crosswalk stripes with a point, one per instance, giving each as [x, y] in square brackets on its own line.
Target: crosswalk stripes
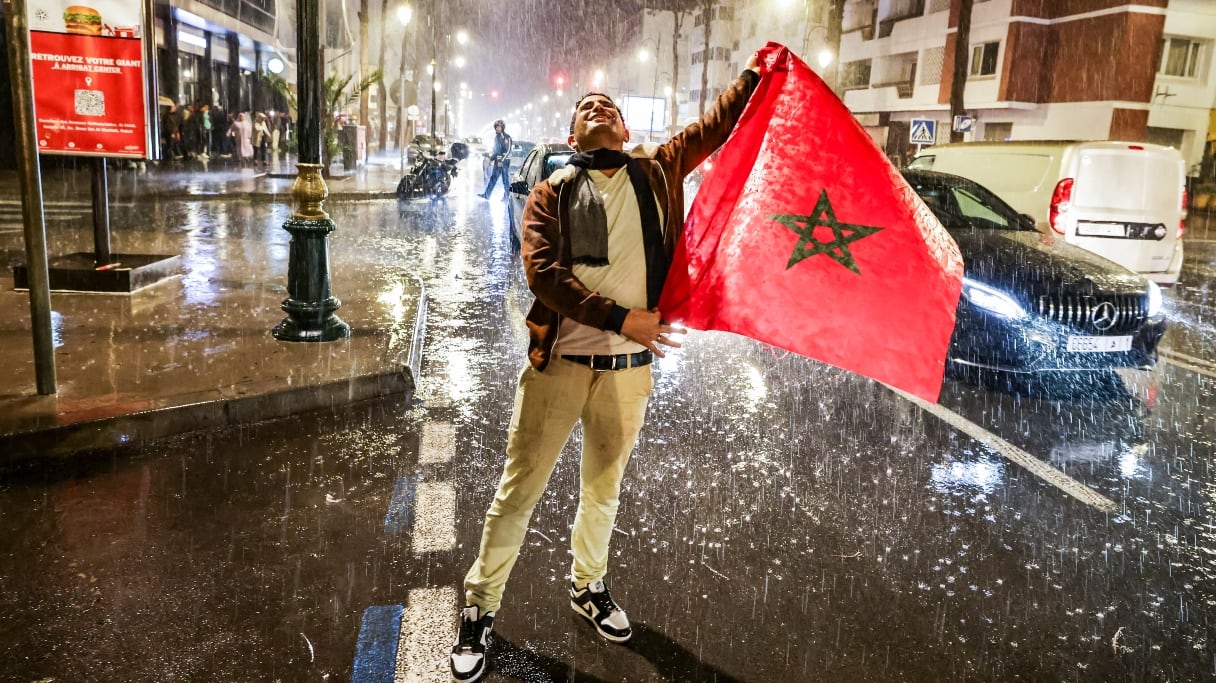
[1197, 365]
[426, 635]
[415, 636]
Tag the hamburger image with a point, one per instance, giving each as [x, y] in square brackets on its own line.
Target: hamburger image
[82, 20]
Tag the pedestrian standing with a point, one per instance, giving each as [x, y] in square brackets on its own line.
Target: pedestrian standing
[276, 132]
[171, 133]
[241, 133]
[261, 139]
[597, 240]
[205, 119]
[500, 163]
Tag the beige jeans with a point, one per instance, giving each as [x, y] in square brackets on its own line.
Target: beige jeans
[612, 406]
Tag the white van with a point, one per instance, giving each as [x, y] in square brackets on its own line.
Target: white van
[1125, 201]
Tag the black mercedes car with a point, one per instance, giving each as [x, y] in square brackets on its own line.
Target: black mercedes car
[1031, 302]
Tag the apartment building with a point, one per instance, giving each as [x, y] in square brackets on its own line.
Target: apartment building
[1038, 69]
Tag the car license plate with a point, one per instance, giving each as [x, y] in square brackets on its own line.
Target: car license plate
[1084, 344]
[1087, 229]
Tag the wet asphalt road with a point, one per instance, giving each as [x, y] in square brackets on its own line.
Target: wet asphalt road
[782, 520]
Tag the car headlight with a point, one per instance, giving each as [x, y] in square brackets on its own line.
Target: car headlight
[1154, 299]
[993, 300]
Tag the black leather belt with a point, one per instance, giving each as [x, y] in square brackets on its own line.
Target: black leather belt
[618, 362]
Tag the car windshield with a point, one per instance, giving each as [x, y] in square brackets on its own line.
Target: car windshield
[959, 204]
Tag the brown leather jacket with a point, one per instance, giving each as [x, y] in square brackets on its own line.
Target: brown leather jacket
[546, 249]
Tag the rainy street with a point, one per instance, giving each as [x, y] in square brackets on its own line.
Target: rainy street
[782, 520]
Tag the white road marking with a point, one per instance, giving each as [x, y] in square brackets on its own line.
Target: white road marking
[1192, 304]
[434, 518]
[427, 632]
[438, 443]
[1016, 455]
[1204, 367]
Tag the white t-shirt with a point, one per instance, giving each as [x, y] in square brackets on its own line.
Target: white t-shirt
[623, 280]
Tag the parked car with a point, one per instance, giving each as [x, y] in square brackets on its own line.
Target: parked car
[1122, 200]
[541, 161]
[519, 152]
[1032, 302]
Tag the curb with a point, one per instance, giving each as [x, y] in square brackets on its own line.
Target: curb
[284, 197]
[202, 411]
[110, 432]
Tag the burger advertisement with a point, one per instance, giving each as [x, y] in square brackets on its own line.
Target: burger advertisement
[90, 95]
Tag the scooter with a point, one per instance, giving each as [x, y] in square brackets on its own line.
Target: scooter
[431, 175]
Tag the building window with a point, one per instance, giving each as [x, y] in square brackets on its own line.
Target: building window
[855, 74]
[1180, 57]
[998, 131]
[717, 13]
[983, 59]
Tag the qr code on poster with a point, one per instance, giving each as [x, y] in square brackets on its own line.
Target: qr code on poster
[90, 103]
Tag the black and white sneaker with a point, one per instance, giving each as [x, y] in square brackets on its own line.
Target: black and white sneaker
[595, 604]
[468, 659]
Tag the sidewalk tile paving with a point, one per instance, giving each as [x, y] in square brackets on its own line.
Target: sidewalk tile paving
[195, 351]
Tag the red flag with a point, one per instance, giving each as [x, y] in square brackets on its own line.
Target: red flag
[804, 236]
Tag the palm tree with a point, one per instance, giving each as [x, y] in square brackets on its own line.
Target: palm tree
[337, 94]
[338, 98]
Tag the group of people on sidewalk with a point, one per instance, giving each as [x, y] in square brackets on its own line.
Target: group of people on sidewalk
[204, 132]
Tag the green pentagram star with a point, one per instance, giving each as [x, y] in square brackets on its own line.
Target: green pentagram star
[823, 217]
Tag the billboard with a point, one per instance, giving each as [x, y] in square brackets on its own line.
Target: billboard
[648, 114]
[89, 77]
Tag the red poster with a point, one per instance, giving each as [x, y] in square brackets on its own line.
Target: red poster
[89, 95]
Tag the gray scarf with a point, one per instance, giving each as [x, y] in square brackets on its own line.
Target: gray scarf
[588, 222]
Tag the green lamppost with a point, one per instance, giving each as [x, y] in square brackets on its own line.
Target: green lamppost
[310, 304]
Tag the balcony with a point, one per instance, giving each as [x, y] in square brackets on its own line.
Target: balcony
[909, 9]
[903, 88]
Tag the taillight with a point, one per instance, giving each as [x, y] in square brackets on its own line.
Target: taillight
[1182, 219]
[1061, 202]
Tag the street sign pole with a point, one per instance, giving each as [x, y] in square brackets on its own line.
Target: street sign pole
[21, 77]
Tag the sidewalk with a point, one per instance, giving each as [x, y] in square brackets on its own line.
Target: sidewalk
[195, 351]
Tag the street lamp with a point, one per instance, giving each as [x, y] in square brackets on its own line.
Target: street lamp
[405, 14]
[825, 56]
[310, 304]
[434, 89]
[462, 38]
[644, 57]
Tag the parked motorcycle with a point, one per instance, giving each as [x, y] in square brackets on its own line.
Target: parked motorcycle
[431, 174]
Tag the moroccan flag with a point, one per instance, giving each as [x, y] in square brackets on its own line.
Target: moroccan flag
[804, 236]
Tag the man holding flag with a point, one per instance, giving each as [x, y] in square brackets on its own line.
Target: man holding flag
[809, 242]
[598, 237]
